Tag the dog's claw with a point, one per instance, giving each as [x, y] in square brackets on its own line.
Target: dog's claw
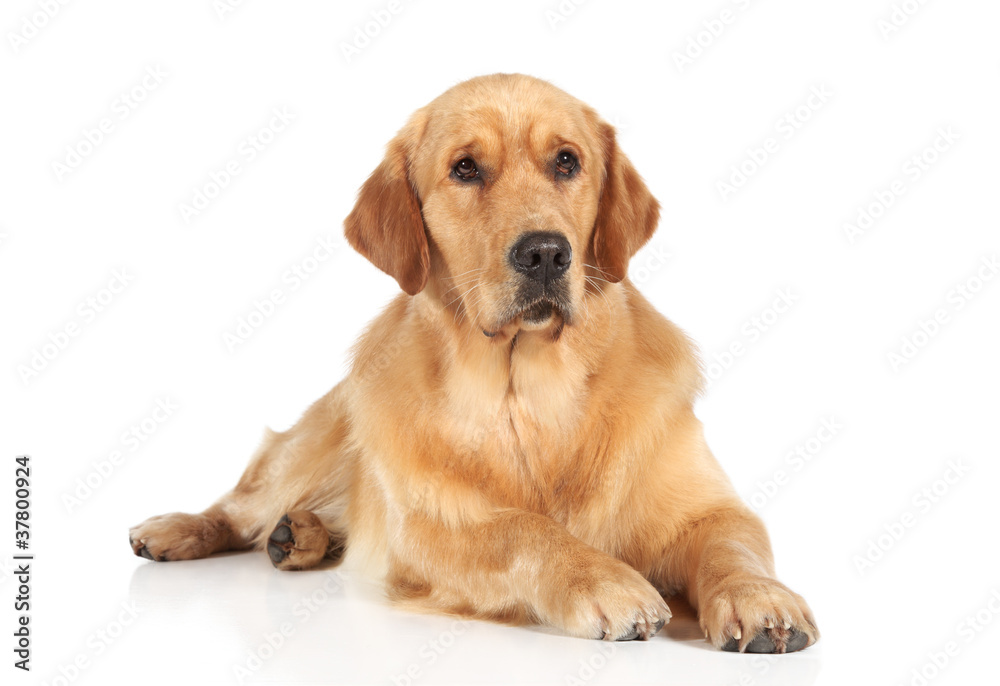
[141, 551]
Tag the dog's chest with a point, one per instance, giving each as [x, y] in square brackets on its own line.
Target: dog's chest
[522, 419]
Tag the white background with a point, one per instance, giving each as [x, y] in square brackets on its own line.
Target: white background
[827, 357]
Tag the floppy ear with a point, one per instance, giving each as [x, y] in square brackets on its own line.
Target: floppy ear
[627, 213]
[386, 225]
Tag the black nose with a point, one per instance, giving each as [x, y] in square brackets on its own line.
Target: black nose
[543, 257]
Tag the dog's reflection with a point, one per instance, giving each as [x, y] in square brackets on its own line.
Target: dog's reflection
[330, 625]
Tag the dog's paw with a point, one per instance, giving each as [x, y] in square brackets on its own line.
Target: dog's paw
[757, 615]
[614, 604]
[176, 536]
[299, 541]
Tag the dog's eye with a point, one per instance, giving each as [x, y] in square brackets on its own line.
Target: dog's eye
[465, 169]
[566, 163]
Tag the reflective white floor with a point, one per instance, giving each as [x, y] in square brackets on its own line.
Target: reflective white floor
[234, 619]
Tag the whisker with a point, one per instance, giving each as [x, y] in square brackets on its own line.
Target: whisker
[452, 278]
[459, 285]
[597, 269]
[479, 298]
[462, 295]
[470, 305]
[600, 290]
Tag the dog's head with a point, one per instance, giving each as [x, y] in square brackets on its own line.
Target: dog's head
[506, 200]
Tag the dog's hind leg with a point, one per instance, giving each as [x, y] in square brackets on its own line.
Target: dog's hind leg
[301, 475]
[301, 540]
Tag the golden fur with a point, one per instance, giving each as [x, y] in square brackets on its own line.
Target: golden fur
[483, 464]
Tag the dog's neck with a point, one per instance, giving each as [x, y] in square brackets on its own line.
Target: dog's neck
[529, 383]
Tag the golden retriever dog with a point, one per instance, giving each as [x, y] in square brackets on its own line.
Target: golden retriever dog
[515, 440]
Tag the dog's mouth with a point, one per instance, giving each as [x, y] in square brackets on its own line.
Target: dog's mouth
[539, 313]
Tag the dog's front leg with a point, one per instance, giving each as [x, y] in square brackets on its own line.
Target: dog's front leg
[729, 575]
[516, 565]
